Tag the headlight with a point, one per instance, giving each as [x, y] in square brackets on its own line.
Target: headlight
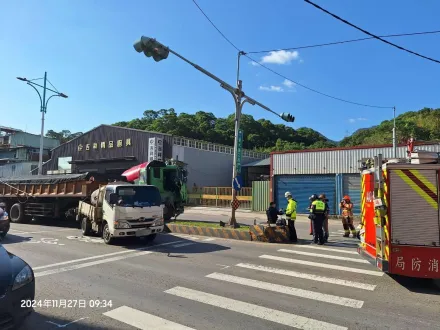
[122, 225]
[158, 222]
[24, 277]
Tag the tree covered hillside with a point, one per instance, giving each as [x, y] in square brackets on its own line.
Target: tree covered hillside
[260, 135]
[423, 125]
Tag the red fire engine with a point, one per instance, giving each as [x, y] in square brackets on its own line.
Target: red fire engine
[400, 229]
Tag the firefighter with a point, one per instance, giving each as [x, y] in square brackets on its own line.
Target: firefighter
[347, 216]
[291, 216]
[323, 198]
[318, 214]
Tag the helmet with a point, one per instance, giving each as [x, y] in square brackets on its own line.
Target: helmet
[2, 205]
[314, 197]
[287, 194]
[346, 197]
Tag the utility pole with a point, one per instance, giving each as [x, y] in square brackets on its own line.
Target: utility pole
[43, 109]
[152, 48]
[394, 133]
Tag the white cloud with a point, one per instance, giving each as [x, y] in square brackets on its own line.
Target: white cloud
[288, 83]
[354, 120]
[271, 89]
[253, 63]
[280, 57]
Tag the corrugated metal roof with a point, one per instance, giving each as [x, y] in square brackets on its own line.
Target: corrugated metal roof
[45, 179]
[334, 160]
[262, 162]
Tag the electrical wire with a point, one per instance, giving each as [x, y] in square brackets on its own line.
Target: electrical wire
[215, 27]
[280, 75]
[318, 92]
[52, 85]
[372, 35]
[345, 41]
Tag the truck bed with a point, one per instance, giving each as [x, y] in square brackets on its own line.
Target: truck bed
[94, 213]
[67, 185]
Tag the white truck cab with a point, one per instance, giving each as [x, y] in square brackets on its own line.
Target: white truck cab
[120, 210]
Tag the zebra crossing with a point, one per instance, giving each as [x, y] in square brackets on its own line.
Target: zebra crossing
[288, 265]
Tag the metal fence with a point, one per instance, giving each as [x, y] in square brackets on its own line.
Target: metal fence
[219, 197]
[260, 195]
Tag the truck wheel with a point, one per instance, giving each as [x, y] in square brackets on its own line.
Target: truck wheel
[150, 238]
[106, 236]
[86, 227]
[16, 214]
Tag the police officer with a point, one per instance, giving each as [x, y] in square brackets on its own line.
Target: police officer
[318, 213]
[291, 216]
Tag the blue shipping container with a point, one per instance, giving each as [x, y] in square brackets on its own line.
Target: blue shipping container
[352, 187]
[302, 187]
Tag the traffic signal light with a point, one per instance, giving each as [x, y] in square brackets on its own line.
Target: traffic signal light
[287, 117]
[151, 48]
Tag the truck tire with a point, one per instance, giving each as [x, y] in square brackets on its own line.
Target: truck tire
[106, 236]
[150, 238]
[16, 213]
[86, 227]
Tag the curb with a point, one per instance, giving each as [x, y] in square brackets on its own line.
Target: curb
[209, 231]
[256, 233]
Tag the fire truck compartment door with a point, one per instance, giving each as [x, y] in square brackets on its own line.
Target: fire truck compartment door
[414, 207]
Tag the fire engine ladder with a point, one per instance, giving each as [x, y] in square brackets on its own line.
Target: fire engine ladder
[380, 212]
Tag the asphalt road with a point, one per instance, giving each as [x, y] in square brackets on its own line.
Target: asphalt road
[184, 282]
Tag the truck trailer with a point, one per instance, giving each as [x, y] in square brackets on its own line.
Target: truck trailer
[45, 196]
[400, 227]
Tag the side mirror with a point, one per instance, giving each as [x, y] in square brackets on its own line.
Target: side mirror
[113, 198]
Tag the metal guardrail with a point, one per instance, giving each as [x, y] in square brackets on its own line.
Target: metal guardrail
[220, 197]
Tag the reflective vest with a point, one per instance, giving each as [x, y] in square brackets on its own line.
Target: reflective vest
[291, 209]
[319, 206]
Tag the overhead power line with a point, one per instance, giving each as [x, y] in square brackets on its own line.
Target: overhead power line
[215, 27]
[283, 76]
[372, 35]
[345, 41]
[316, 91]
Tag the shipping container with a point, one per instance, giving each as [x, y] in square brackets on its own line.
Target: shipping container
[302, 187]
[351, 186]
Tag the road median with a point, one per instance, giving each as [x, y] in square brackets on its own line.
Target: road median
[258, 233]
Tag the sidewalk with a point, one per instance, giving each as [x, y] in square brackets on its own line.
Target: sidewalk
[245, 217]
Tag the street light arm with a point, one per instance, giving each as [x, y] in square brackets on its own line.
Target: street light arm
[47, 101]
[222, 83]
[39, 95]
[31, 83]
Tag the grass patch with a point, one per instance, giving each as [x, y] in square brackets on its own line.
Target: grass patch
[205, 224]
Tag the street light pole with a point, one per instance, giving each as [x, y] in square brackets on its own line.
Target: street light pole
[152, 48]
[43, 109]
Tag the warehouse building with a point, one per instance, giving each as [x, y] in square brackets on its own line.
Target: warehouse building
[107, 151]
[334, 172]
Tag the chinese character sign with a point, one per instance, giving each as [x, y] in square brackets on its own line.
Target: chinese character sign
[117, 143]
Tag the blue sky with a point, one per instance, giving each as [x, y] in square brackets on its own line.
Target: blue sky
[86, 48]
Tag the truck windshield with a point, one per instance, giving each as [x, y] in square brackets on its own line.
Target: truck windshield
[140, 196]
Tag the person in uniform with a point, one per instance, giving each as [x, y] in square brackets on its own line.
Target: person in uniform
[347, 217]
[291, 216]
[318, 214]
[323, 198]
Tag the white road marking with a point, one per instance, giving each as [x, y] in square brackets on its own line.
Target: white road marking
[224, 266]
[101, 256]
[142, 320]
[325, 249]
[88, 264]
[311, 277]
[318, 264]
[182, 244]
[353, 303]
[291, 320]
[67, 324]
[327, 256]
[44, 231]
[18, 231]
